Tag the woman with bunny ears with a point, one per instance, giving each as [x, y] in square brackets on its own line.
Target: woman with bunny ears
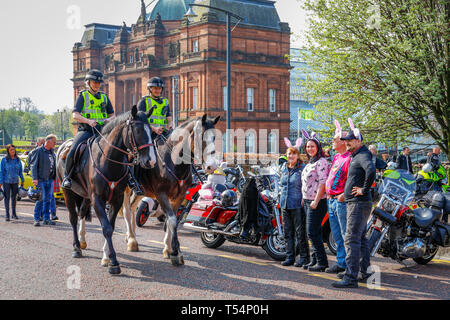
[294, 219]
[314, 177]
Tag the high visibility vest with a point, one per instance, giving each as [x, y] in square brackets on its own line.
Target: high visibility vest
[157, 118]
[94, 108]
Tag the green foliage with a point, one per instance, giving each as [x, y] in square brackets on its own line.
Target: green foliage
[383, 63]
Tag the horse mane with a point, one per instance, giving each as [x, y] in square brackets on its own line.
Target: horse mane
[117, 121]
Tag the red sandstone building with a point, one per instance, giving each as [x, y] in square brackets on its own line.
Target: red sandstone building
[190, 56]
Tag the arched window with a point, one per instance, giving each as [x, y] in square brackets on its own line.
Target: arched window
[250, 142]
[272, 143]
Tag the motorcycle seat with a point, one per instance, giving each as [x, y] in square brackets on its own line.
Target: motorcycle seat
[424, 217]
[232, 208]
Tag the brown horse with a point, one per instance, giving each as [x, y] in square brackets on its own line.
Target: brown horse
[102, 174]
[169, 180]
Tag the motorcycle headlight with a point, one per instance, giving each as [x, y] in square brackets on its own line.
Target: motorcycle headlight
[388, 205]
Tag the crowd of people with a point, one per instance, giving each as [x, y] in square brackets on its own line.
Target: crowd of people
[309, 190]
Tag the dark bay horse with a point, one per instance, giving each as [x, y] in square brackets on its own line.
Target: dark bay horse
[102, 174]
[169, 180]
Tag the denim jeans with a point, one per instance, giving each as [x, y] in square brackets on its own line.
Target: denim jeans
[38, 209]
[10, 192]
[337, 213]
[358, 255]
[314, 218]
[43, 208]
[294, 226]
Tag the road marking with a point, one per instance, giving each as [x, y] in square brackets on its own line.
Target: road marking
[162, 243]
[337, 279]
[440, 261]
[244, 260]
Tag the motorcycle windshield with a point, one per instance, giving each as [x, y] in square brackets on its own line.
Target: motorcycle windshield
[399, 185]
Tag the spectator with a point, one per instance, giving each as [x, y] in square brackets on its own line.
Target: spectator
[39, 143]
[10, 172]
[43, 172]
[314, 177]
[377, 162]
[294, 219]
[404, 161]
[337, 209]
[361, 174]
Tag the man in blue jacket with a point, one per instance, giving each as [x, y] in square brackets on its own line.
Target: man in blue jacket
[43, 173]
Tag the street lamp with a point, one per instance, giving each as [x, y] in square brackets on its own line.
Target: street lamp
[190, 14]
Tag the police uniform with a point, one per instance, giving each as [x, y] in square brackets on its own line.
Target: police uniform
[160, 113]
[96, 107]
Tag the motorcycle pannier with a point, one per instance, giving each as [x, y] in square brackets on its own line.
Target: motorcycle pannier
[447, 202]
[441, 235]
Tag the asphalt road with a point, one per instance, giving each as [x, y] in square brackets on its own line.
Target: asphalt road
[37, 264]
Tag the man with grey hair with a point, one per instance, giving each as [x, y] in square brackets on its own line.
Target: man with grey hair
[43, 172]
[377, 162]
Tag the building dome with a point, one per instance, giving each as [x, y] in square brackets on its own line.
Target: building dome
[170, 9]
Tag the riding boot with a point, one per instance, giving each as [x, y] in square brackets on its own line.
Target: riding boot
[67, 182]
[133, 184]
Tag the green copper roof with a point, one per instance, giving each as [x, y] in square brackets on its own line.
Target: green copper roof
[170, 9]
[261, 13]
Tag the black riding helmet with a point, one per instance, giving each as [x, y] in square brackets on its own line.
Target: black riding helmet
[155, 82]
[228, 198]
[95, 75]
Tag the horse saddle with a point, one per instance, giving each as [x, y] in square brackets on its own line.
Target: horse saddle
[79, 152]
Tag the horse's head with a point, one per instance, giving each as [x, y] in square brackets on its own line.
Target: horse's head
[203, 128]
[140, 137]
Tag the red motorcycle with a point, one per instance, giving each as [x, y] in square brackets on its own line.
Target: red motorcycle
[218, 223]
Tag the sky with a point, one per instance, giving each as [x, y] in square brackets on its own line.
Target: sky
[37, 38]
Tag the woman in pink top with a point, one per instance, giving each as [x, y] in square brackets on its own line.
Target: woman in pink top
[314, 177]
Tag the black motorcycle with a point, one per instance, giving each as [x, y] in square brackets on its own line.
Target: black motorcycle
[400, 233]
[235, 176]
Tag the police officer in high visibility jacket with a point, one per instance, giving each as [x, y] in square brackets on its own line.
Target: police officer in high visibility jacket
[161, 118]
[93, 109]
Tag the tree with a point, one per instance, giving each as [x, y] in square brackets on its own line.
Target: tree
[384, 63]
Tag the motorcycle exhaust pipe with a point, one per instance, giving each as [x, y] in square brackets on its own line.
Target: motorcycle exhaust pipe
[190, 226]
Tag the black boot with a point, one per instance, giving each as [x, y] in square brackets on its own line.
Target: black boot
[312, 263]
[134, 185]
[67, 182]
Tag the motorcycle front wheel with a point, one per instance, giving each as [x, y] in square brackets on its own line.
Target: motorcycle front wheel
[275, 246]
[373, 236]
[212, 240]
[427, 258]
[142, 214]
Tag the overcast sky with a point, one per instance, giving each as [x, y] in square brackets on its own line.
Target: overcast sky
[37, 38]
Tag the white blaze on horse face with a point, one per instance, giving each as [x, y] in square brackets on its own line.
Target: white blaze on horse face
[151, 150]
[209, 154]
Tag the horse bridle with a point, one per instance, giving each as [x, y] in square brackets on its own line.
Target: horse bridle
[134, 152]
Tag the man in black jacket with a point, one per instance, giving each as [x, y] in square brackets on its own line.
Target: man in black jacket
[43, 173]
[358, 198]
[404, 161]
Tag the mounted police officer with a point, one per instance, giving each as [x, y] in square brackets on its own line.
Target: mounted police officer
[161, 118]
[92, 110]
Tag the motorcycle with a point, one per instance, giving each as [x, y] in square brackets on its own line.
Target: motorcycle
[235, 176]
[397, 231]
[217, 223]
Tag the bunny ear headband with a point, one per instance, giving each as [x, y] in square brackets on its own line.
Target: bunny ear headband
[312, 137]
[338, 132]
[356, 131]
[298, 143]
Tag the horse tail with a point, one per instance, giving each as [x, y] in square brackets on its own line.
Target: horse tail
[85, 210]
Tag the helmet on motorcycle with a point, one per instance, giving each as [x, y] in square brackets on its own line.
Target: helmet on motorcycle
[427, 168]
[22, 192]
[34, 194]
[219, 188]
[228, 198]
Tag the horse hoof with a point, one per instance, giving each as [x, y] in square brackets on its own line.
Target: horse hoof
[165, 254]
[105, 262]
[83, 245]
[114, 270]
[77, 254]
[133, 246]
[177, 260]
